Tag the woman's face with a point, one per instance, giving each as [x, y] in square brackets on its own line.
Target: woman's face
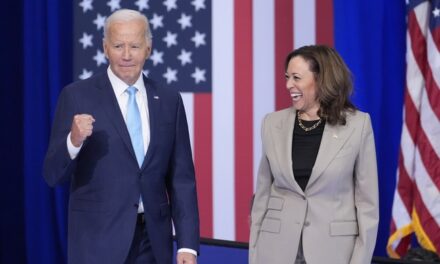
[300, 82]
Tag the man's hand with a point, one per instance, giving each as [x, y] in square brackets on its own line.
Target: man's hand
[186, 258]
[82, 127]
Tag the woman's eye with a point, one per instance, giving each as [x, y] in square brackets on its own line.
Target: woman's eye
[295, 78]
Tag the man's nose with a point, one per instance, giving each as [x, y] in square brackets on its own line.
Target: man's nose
[126, 55]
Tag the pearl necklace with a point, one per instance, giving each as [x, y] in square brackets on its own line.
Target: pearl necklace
[307, 129]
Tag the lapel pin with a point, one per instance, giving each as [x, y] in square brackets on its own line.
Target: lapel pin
[156, 97]
[335, 136]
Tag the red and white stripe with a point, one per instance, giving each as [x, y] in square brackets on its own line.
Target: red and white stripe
[250, 40]
[416, 200]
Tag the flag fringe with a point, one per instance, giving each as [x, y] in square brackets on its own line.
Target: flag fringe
[398, 235]
[421, 235]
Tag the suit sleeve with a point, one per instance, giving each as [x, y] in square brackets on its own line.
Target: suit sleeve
[58, 166]
[366, 196]
[182, 186]
[261, 197]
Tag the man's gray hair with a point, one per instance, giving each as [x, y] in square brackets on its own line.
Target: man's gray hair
[127, 15]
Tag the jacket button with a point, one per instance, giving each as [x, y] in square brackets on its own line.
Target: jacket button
[306, 223]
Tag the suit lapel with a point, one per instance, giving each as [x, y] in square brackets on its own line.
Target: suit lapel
[153, 111]
[283, 145]
[332, 141]
[111, 107]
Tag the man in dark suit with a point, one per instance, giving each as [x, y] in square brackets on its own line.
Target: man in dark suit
[127, 154]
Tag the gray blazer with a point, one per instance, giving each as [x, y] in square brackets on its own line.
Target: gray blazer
[338, 212]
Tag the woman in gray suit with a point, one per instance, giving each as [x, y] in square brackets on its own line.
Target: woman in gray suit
[317, 193]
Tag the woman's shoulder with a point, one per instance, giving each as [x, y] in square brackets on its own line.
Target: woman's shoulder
[357, 117]
[281, 114]
[279, 117]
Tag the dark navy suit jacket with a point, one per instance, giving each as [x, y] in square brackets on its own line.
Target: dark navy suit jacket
[106, 181]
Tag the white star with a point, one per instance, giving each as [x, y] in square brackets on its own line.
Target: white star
[170, 4]
[170, 39]
[184, 21]
[86, 40]
[85, 74]
[436, 12]
[99, 21]
[198, 4]
[142, 4]
[199, 75]
[86, 5]
[100, 58]
[199, 39]
[146, 72]
[184, 57]
[156, 57]
[114, 4]
[170, 75]
[156, 21]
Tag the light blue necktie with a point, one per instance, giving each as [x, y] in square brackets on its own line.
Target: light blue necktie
[134, 125]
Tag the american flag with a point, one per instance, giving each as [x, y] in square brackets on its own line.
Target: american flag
[416, 206]
[227, 59]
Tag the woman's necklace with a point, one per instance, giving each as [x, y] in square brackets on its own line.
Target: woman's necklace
[307, 129]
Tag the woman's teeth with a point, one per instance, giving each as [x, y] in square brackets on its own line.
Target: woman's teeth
[296, 96]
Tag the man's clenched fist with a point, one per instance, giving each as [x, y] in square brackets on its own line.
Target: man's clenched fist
[82, 127]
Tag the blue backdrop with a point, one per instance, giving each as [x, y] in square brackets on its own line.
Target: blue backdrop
[370, 35]
[36, 48]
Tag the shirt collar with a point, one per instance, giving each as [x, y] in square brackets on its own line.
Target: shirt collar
[119, 86]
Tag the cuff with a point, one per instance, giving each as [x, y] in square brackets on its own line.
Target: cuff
[73, 151]
[187, 250]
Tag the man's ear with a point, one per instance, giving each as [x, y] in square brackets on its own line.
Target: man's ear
[149, 48]
[104, 47]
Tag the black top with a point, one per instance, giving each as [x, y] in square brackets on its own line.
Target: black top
[305, 146]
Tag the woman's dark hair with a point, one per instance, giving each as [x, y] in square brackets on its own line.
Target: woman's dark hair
[333, 81]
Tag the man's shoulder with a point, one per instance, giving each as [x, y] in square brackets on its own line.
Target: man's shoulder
[159, 88]
[94, 81]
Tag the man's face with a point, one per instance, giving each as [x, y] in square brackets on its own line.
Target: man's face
[127, 48]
